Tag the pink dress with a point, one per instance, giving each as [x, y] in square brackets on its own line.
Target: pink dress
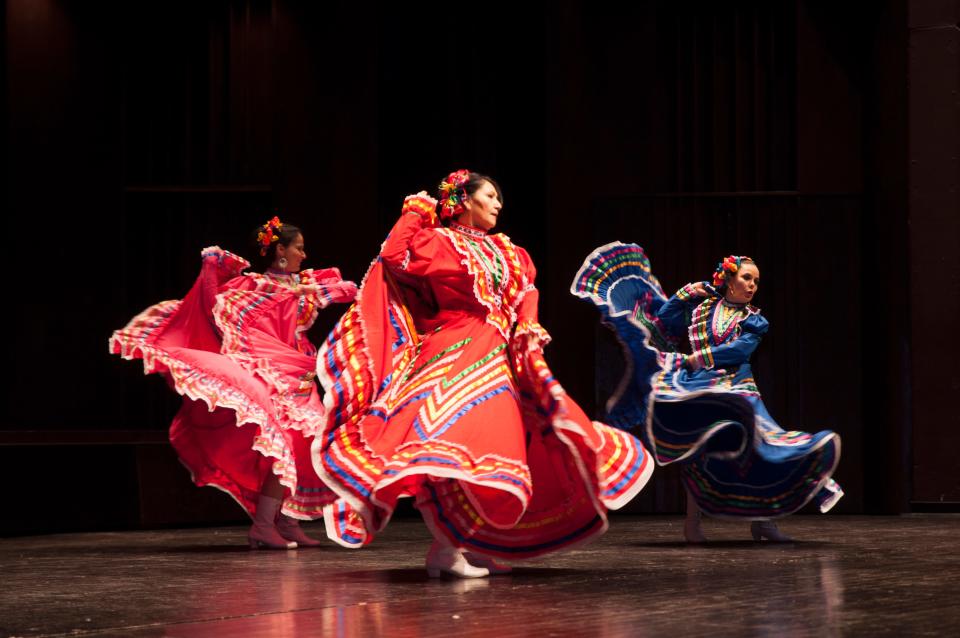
[236, 349]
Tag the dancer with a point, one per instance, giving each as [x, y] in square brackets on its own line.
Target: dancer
[236, 349]
[704, 409]
[437, 389]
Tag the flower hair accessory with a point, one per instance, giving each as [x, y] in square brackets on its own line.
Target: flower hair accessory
[452, 193]
[728, 267]
[269, 233]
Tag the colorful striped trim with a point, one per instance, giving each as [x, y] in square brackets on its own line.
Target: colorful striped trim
[135, 341]
[773, 501]
[605, 265]
[500, 294]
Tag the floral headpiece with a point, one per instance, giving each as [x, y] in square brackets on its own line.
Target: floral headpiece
[728, 267]
[266, 237]
[452, 193]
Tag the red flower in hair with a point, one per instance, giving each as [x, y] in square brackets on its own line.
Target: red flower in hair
[728, 266]
[452, 193]
[266, 236]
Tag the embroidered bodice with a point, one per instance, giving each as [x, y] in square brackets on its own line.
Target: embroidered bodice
[461, 270]
[721, 333]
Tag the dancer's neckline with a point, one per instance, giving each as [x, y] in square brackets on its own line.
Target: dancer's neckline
[467, 230]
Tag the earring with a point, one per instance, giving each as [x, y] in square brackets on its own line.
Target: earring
[282, 263]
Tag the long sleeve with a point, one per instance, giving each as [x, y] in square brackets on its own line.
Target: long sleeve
[527, 343]
[323, 275]
[218, 266]
[409, 246]
[332, 287]
[528, 334]
[739, 350]
[674, 315]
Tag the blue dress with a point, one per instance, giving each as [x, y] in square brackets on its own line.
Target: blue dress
[737, 461]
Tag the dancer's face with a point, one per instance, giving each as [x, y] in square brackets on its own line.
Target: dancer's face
[743, 285]
[482, 208]
[294, 253]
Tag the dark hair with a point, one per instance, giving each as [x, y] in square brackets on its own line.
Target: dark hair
[472, 185]
[286, 235]
[741, 259]
[476, 180]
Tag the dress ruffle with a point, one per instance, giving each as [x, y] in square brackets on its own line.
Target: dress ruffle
[245, 414]
[469, 423]
[738, 461]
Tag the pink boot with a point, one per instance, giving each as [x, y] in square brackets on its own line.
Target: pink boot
[263, 532]
[290, 529]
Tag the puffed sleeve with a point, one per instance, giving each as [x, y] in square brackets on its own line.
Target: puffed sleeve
[412, 245]
[527, 343]
[332, 288]
[739, 350]
[674, 315]
[218, 266]
[322, 275]
[528, 334]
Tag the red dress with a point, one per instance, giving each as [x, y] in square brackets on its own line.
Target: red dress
[436, 388]
[236, 349]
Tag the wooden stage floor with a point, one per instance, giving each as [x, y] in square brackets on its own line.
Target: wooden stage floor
[847, 576]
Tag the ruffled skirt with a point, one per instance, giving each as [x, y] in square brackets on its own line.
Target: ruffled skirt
[240, 419]
[497, 463]
[737, 461]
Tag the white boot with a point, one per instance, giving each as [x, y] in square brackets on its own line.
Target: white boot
[768, 530]
[444, 559]
[290, 529]
[492, 566]
[263, 532]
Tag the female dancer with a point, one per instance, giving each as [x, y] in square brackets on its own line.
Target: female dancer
[437, 389]
[704, 409]
[236, 349]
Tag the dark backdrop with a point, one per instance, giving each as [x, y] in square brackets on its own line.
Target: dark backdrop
[812, 137]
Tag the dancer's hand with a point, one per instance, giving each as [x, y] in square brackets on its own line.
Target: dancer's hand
[699, 289]
[420, 204]
[692, 363]
[344, 291]
[307, 289]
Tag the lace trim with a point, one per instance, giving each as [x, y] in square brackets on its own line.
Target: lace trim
[226, 260]
[706, 331]
[289, 390]
[532, 334]
[469, 261]
[132, 342]
[468, 230]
